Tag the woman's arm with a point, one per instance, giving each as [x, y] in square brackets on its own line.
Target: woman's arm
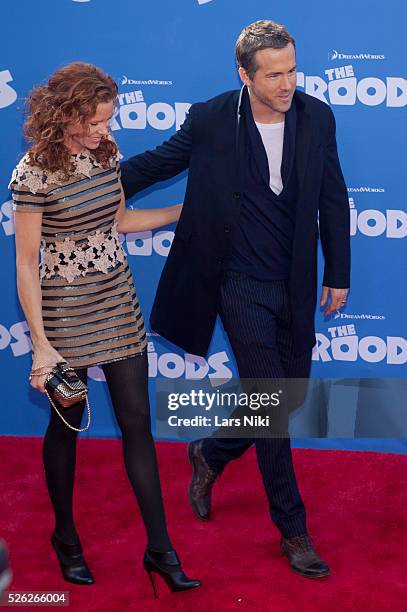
[28, 237]
[143, 220]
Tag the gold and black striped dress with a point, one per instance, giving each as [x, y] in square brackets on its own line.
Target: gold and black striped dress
[90, 309]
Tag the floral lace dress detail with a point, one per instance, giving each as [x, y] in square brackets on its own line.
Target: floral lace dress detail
[90, 309]
[37, 179]
[101, 252]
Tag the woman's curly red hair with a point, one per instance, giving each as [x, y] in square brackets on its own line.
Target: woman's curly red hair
[72, 94]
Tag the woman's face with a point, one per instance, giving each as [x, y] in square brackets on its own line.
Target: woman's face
[79, 136]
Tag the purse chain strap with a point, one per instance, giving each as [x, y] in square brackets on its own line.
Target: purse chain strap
[65, 421]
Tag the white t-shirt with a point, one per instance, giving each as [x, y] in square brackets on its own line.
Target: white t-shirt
[272, 135]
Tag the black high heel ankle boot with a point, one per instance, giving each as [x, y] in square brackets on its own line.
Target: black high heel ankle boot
[73, 565]
[168, 566]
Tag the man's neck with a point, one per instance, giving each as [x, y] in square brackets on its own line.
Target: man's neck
[263, 113]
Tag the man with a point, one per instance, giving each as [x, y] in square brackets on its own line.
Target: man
[263, 165]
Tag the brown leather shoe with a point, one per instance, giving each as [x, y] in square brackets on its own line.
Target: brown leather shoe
[203, 479]
[303, 557]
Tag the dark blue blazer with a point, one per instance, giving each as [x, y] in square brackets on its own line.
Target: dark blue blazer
[209, 144]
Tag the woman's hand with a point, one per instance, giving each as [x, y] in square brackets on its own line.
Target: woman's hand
[44, 359]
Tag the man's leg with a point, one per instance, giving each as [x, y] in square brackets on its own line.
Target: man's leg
[255, 316]
[245, 328]
[286, 507]
[250, 312]
[251, 329]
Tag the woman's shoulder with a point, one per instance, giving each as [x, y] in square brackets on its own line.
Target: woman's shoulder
[28, 175]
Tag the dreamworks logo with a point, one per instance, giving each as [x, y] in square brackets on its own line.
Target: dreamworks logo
[126, 81]
[361, 317]
[335, 55]
[366, 190]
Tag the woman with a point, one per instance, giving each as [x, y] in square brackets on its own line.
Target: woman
[81, 304]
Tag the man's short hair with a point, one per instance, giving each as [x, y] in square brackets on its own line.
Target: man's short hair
[260, 35]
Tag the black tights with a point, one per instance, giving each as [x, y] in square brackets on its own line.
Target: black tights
[127, 380]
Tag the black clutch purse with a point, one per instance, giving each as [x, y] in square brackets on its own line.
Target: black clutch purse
[63, 385]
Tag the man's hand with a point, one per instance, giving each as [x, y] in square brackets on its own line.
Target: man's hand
[337, 299]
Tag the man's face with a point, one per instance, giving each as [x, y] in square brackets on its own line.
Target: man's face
[275, 79]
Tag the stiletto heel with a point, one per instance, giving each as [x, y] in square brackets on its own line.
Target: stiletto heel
[150, 575]
[168, 566]
[73, 565]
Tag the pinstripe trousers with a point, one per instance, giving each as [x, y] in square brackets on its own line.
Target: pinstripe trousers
[256, 318]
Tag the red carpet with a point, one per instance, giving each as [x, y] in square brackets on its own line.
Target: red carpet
[356, 514]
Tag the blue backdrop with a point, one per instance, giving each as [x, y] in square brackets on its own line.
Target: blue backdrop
[167, 54]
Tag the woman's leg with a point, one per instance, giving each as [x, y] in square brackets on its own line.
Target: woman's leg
[59, 455]
[127, 380]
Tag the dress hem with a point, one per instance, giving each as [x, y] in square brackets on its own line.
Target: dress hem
[100, 363]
